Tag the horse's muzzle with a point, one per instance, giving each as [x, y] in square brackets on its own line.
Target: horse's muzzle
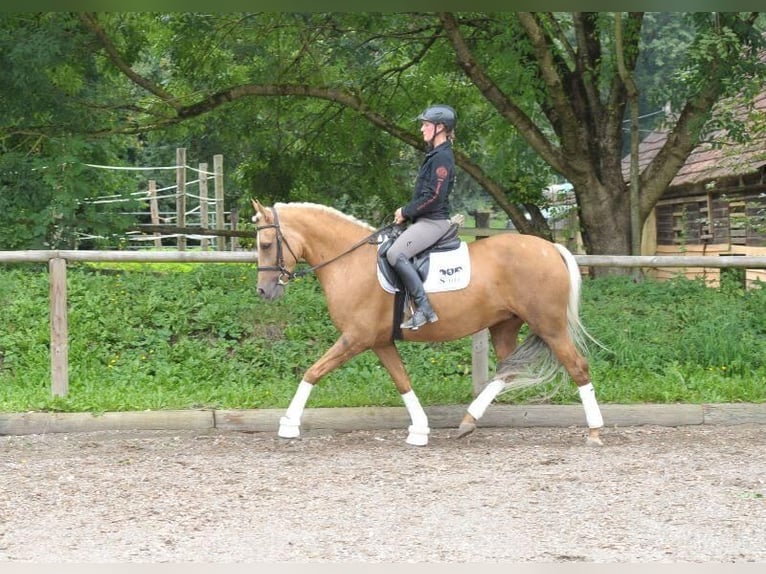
[271, 291]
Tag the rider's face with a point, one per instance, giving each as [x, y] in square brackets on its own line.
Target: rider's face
[428, 130]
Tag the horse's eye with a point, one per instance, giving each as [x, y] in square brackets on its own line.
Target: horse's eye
[264, 244]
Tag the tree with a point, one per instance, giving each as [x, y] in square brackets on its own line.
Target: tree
[585, 98]
[367, 65]
[45, 76]
[545, 82]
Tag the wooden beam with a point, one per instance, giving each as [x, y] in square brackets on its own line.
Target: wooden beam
[152, 228]
[181, 194]
[59, 344]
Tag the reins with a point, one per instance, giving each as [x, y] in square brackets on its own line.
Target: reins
[280, 266]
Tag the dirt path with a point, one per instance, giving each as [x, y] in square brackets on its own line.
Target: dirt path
[689, 494]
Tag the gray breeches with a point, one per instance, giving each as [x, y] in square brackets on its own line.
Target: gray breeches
[417, 237]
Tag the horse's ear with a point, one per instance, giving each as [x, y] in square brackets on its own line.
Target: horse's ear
[260, 212]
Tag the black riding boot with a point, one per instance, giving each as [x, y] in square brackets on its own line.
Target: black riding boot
[414, 285]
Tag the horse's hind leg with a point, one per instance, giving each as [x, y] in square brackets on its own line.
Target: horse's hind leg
[577, 367]
[476, 409]
[418, 430]
[505, 337]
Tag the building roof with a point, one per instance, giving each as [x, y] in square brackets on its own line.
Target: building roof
[707, 163]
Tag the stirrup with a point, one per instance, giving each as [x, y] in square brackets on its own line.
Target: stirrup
[415, 322]
[419, 319]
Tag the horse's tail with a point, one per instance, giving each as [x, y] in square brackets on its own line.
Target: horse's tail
[577, 330]
[533, 362]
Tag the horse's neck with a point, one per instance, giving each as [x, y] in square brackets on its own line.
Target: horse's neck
[325, 236]
[344, 267]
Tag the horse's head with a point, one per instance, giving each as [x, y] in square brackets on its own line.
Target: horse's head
[276, 259]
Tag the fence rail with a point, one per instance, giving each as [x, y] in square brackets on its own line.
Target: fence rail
[176, 256]
[57, 266]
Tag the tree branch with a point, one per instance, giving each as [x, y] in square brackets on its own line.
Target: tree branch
[567, 120]
[507, 108]
[355, 103]
[562, 38]
[90, 22]
[615, 108]
[684, 136]
[681, 140]
[587, 59]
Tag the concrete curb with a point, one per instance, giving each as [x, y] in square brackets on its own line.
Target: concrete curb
[374, 418]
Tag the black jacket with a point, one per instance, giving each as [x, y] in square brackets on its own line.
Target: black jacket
[434, 183]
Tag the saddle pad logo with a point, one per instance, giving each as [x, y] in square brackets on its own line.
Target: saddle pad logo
[450, 272]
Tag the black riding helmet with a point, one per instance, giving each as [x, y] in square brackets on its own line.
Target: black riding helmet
[440, 114]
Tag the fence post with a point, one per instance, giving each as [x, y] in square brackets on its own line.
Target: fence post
[219, 214]
[154, 211]
[59, 327]
[203, 223]
[234, 218]
[480, 339]
[181, 194]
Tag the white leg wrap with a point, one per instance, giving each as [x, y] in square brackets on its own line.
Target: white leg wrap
[290, 424]
[486, 396]
[418, 430]
[589, 403]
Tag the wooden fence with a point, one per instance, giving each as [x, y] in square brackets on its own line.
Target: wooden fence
[57, 266]
[181, 214]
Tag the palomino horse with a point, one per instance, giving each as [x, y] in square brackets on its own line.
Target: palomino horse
[515, 279]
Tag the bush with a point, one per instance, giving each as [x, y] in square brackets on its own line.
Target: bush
[197, 336]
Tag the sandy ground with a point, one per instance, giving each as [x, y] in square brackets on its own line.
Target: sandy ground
[651, 494]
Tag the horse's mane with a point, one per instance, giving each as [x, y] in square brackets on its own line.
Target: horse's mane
[325, 209]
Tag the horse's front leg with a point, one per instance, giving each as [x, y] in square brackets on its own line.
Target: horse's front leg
[418, 430]
[342, 351]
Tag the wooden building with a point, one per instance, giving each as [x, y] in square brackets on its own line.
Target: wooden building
[716, 204]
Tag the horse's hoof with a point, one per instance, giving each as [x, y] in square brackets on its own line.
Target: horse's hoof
[593, 438]
[288, 428]
[418, 436]
[465, 429]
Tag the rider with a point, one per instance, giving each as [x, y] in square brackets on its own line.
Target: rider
[429, 209]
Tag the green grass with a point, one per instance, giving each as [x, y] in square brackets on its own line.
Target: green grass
[170, 336]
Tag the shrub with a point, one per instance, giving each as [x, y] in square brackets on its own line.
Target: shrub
[160, 336]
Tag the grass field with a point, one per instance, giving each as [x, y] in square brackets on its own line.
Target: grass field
[178, 336]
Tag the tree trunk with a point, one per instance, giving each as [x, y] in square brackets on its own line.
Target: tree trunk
[604, 222]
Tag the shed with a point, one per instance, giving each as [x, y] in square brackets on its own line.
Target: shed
[716, 204]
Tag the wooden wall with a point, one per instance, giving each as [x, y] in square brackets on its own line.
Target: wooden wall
[709, 222]
[711, 275]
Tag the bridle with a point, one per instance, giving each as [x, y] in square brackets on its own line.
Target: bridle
[285, 274]
[280, 266]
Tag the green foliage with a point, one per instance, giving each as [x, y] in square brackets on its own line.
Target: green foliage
[47, 82]
[677, 340]
[723, 49]
[46, 198]
[68, 101]
[160, 336]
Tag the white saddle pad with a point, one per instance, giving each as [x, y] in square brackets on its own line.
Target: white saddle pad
[447, 271]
